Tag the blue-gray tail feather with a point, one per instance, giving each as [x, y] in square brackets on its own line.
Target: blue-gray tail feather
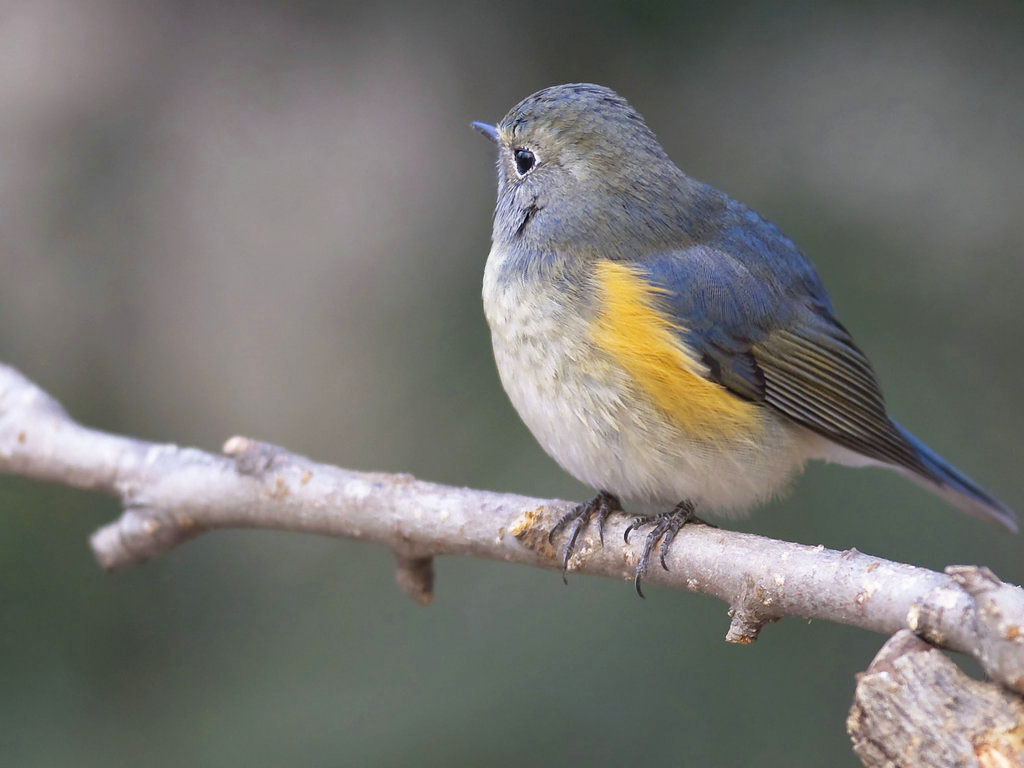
[957, 487]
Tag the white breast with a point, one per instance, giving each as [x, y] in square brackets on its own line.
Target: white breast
[587, 414]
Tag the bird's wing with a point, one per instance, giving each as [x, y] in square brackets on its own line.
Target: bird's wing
[820, 379]
[748, 306]
[764, 329]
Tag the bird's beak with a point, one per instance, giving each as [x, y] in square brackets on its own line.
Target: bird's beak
[487, 130]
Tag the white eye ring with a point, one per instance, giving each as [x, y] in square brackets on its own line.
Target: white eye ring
[525, 160]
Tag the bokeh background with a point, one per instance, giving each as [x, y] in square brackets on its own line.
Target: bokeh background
[272, 219]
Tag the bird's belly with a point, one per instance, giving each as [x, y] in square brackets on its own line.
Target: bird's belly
[589, 415]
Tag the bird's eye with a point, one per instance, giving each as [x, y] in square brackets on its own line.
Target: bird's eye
[525, 161]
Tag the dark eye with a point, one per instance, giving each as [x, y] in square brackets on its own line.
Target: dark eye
[524, 161]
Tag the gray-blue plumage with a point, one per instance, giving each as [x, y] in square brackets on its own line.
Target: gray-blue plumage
[756, 311]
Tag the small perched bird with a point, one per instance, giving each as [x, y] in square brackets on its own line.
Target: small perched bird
[664, 343]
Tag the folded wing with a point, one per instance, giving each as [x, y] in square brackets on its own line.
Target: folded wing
[764, 327]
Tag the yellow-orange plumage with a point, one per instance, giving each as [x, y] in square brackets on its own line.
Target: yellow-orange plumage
[639, 337]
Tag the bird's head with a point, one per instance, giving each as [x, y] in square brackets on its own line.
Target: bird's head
[578, 165]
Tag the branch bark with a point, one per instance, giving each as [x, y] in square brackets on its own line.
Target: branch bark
[914, 706]
[172, 494]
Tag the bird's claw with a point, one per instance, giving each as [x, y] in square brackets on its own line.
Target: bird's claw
[601, 506]
[666, 526]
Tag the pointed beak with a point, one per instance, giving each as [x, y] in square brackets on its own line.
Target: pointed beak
[487, 130]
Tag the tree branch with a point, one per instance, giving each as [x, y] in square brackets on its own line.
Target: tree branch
[172, 494]
[914, 706]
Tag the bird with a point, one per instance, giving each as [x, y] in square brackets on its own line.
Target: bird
[664, 343]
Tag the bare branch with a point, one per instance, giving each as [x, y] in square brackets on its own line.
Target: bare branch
[172, 494]
[915, 707]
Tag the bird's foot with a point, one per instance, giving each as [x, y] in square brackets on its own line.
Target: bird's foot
[601, 506]
[666, 526]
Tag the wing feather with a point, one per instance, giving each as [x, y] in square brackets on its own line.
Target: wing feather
[754, 310]
[778, 344]
[825, 399]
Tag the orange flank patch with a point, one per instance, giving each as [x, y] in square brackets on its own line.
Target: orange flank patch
[638, 336]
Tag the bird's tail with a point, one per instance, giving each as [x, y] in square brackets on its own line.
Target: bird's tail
[956, 487]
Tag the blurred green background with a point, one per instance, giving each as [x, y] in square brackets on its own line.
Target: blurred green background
[272, 220]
